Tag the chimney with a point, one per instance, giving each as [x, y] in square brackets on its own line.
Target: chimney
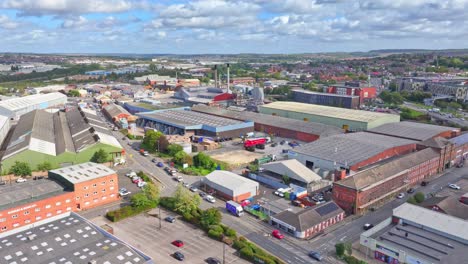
[216, 75]
[228, 90]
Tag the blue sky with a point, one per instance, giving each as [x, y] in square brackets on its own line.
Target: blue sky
[230, 26]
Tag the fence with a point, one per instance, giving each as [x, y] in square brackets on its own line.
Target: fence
[267, 181]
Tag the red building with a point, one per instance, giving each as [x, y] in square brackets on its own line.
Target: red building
[365, 93]
[371, 187]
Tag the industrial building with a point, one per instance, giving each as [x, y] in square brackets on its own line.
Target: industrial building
[368, 188]
[119, 115]
[15, 107]
[60, 137]
[348, 119]
[275, 125]
[4, 128]
[183, 121]
[67, 238]
[449, 205]
[309, 222]
[204, 95]
[414, 234]
[415, 131]
[365, 94]
[230, 186]
[328, 99]
[68, 189]
[350, 152]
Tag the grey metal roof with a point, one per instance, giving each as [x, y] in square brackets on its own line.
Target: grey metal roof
[411, 130]
[325, 94]
[460, 140]
[27, 192]
[43, 126]
[230, 180]
[70, 239]
[274, 121]
[293, 169]
[351, 148]
[114, 110]
[449, 205]
[82, 172]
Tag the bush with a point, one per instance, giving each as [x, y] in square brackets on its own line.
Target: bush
[353, 260]
[168, 202]
[247, 253]
[216, 228]
[419, 197]
[214, 234]
[230, 232]
[144, 177]
[340, 249]
[187, 217]
[411, 200]
[126, 211]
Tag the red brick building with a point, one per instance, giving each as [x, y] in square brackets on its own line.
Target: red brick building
[369, 188]
[365, 93]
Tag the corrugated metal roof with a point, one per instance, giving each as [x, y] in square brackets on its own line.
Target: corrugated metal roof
[82, 172]
[22, 102]
[411, 130]
[230, 180]
[293, 169]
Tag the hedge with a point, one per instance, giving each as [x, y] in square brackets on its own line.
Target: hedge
[352, 260]
[144, 177]
[126, 211]
[258, 254]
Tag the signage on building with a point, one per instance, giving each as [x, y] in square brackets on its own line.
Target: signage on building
[387, 250]
[22, 209]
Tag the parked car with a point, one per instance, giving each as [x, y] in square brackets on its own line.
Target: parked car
[212, 260]
[154, 160]
[210, 199]
[296, 203]
[179, 178]
[424, 183]
[411, 190]
[179, 256]
[282, 142]
[178, 243]
[274, 145]
[454, 186]
[136, 180]
[21, 180]
[193, 189]
[124, 192]
[202, 194]
[276, 233]
[367, 226]
[160, 164]
[38, 178]
[170, 219]
[400, 195]
[141, 184]
[131, 174]
[315, 255]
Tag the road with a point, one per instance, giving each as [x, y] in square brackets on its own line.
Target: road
[438, 116]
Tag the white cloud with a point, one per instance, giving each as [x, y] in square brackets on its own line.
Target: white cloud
[7, 23]
[75, 23]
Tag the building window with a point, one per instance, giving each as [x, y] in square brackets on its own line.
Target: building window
[27, 221]
[103, 190]
[4, 228]
[38, 218]
[47, 206]
[111, 182]
[103, 183]
[87, 203]
[112, 188]
[67, 201]
[95, 200]
[2, 219]
[37, 209]
[86, 195]
[68, 208]
[16, 224]
[58, 203]
[94, 193]
[85, 188]
[59, 211]
[49, 215]
[14, 216]
[112, 195]
[26, 212]
[77, 198]
[104, 197]
[94, 185]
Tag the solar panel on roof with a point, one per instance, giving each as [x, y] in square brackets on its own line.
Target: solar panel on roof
[326, 209]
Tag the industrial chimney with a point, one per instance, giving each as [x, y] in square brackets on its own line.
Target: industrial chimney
[228, 90]
[216, 75]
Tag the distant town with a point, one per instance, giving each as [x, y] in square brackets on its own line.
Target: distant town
[249, 158]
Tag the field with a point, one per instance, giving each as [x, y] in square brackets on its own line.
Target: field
[235, 158]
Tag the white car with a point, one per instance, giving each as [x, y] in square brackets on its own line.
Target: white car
[210, 199]
[454, 186]
[124, 192]
[401, 196]
[179, 179]
[131, 174]
[21, 180]
[142, 184]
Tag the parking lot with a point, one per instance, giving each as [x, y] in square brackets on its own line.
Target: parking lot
[143, 232]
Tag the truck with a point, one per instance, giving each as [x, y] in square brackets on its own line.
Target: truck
[251, 143]
[265, 159]
[464, 198]
[234, 208]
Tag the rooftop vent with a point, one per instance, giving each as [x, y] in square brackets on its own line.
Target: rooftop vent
[32, 237]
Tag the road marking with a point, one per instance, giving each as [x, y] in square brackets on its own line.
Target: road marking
[341, 239]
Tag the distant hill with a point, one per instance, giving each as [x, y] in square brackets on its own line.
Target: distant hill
[442, 51]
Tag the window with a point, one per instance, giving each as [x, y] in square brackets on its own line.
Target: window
[103, 190]
[59, 211]
[68, 208]
[26, 212]
[47, 206]
[14, 216]
[86, 203]
[58, 203]
[37, 209]
[85, 188]
[4, 228]
[112, 188]
[95, 200]
[2, 219]
[94, 185]
[112, 195]
[104, 197]
[103, 183]
[16, 224]
[94, 193]
[38, 218]
[27, 221]
[67, 201]
[86, 195]
[77, 198]
[49, 215]
[111, 182]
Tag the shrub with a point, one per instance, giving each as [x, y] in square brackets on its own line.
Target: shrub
[187, 217]
[419, 197]
[126, 211]
[216, 228]
[340, 249]
[214, 234]
[353, 260]
[239, 244]
[144, 177]
[247, 253]
[168, 203]
[230, 232]
[411, 200]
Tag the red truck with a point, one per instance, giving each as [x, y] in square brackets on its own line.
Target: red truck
[251, 143]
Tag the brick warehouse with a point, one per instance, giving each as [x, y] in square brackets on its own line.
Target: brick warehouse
[368, 188]
[72, 188]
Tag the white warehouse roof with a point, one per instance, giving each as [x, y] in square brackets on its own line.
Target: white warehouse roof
[26, 101]
[230, 183]
[82, 172]
[293, 169]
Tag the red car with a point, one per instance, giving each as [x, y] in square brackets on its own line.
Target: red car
[178, 243]
[136, 180]
[277, 234]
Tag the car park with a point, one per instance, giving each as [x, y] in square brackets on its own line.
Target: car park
[124, 192]
[315, 255]
[170, 219]
[400, 195]
[210, 199]
[178, 243]
[277, 234]
[179, 256]
[367, 226]
[160, 164]
[212, 260]
[21, 180]
[454, 186]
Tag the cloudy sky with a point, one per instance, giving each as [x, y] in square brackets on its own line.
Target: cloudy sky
[230, 26]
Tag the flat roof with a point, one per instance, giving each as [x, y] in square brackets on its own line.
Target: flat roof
[83, 172]
[229, 180]
[275, 121]
[411, 130]
[325, 94]
[26, 192]
[187, 119]
[70, 239]
[350, 148]
[26, 101]
[327, 111]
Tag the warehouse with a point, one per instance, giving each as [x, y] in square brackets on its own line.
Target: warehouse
[348, 119]
[14, 108]
[415, 131]
[368, 188]
[230, 186]
[350, 152]
[4, 128]
[414, 234]
[60, 137]
[119, 115]
[183, 121]
[67, 238]
[328, 99]
[275, 125]
[309, 222]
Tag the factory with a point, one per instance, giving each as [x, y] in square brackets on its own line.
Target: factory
[347, 119]
[350, 152]
[328, 99]
[119, 115]
[415, 131]
[15, 107]
[275, 125]
[182, 121]
[230, 186]
[204, 95]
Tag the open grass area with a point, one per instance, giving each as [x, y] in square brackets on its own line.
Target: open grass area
[34, 158]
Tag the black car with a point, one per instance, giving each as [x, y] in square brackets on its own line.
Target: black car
[368, 226]
[170, 219]
[424, 183]
[282, 142]
[211, 260]
[315, 255]
[154, 160]
[411, 190]
[274, 145]
[202, 194]
[179, 256]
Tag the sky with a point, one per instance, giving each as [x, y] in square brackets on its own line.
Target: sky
[230, 26]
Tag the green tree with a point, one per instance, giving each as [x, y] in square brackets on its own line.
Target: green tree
[203, 160]
[348, 248]
[419, 197]
[211, 216]
[181, 158]
[163, 144]
[152, 192]
[185, 201]
[100, 156]
[152, 67]
[150, 140]
[20, 169]
[454, 105]
[286, 179]
[411, 200]
[173, 149]
[140, 200]
[44, 166]
[340, 250]
[73, 93]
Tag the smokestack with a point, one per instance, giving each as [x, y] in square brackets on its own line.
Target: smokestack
[216, 76]
[228, 90]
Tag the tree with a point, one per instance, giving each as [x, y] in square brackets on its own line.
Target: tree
[419, 197]
[340, 249]
[181, 158]
[211, 216]
[185, 202]
[44, 166]
[202, 160]
[163, 144]
[411, 200]
[349, 248]
[172, 149]
[20, 169]
[286, 179]
[140, 200]
[100, 156]
[152, 67]
[152, 192]
[73, 93]
[150, 141]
